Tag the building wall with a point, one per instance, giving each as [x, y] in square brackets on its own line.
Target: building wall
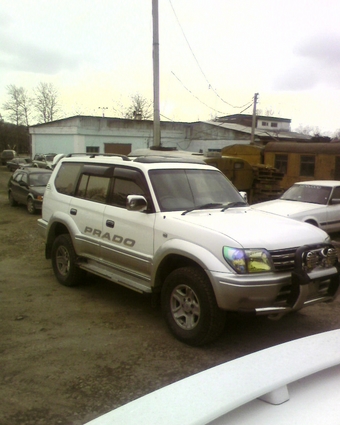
[324, 168]
[75, 134]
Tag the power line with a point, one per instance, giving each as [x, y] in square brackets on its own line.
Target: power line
[201, 101]
[199, 66]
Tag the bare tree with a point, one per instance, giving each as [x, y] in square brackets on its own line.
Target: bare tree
[19, 105]
[140, 108]
[308, 130]
[46, 102]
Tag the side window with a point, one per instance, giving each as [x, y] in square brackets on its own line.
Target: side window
[18, 177]
[336, 193]
[66, 180]
[307, 165]
[93, 188]
[122, 188]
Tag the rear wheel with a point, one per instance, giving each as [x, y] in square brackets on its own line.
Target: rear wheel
[11, 200]
[189, 307]
[64, 262]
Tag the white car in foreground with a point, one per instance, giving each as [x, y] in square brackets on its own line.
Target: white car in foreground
[316, 202]
[293, 383]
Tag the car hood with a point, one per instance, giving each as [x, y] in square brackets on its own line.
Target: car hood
[286, 208]
[255, 229]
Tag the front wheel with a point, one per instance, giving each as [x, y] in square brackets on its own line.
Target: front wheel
[189, 307]
[64, 262]
[30, 206]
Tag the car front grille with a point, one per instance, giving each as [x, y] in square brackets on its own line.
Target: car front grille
[283, 259]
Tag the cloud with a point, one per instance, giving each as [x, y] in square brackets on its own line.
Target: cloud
[324, 49]
[316, 62]
[18, 55]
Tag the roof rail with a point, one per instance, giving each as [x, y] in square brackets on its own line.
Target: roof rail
[93, 155]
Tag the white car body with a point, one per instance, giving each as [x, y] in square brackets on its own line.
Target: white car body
[297, 382]
[156, 225]
[326, 216]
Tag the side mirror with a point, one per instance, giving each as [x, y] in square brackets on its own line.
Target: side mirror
[136, 203]
[335, 201]
[244, 196]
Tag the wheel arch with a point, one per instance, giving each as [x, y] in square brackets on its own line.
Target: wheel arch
[312, 221]
[170, 263]
[175, 254]
[55, 230]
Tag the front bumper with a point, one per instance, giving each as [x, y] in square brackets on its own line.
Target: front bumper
[276, 293]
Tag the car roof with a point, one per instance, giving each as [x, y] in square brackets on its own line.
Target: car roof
[143, 163]
[32, 170]
[326, 183]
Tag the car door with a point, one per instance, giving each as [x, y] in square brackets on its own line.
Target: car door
[127, 240]
[20, 187]
[87, 209]
[333, 211]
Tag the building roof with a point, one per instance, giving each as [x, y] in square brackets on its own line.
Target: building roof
[261, 133]
[308, 148]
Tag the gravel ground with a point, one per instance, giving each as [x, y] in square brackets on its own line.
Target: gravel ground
[69, 355]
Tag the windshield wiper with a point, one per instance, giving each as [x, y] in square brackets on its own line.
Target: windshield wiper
[203, 207]
[234, 204]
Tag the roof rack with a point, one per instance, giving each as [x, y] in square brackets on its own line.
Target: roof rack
[154, 159]
[93, 155]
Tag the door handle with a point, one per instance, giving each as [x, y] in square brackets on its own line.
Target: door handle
[73, 211]
[110, 223]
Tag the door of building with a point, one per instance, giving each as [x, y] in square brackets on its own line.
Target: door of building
[120, 148]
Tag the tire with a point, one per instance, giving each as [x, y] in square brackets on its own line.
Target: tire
[30, 206]
[189, 307]
[64, 262]
[11, 200]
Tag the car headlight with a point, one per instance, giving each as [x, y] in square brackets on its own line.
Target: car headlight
[248, 260]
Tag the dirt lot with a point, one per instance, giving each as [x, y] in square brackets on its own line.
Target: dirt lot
[68, 355]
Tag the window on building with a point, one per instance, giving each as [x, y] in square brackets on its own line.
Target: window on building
[92, 149]
[273, 124]
[307, 165]
[281, 163]
[264, 124]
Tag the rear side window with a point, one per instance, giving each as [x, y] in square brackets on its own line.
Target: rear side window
[93, 188]
[66, 179]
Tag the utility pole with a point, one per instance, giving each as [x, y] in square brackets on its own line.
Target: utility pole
[252, 139]
[156, 113]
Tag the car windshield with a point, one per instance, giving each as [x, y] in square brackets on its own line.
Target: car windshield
[39, 179]
[49, 157]
[178, 190]
[307, 193]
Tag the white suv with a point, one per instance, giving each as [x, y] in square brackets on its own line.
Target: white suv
[181, 230]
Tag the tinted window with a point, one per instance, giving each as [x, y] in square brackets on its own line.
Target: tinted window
[93, 188]
[66, 179]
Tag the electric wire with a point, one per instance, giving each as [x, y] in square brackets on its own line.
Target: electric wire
[200, 68]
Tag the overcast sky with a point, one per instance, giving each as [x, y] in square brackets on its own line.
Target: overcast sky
[214, 55]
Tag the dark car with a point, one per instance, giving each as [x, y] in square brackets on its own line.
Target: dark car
[43, 160]
[16, 163]
[27, 186]
[7, 155]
